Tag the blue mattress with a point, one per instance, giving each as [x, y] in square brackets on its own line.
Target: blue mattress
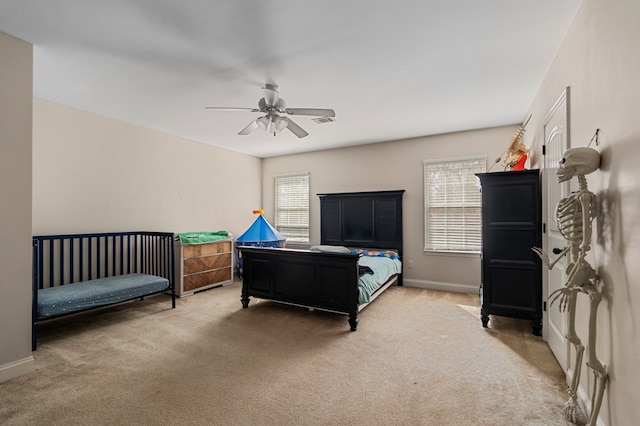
[100, 292]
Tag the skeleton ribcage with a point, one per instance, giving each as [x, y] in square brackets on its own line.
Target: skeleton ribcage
[569, 219]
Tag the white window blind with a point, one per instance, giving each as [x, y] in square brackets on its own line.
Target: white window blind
[452, 204]
[292, 207]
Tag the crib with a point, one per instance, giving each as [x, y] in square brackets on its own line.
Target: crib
[78, 272]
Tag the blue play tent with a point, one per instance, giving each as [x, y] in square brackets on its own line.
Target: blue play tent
[259, 234]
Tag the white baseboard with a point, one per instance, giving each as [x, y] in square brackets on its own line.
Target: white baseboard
[437, 285]
[17, 368]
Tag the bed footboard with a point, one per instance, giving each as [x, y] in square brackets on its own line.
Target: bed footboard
[324, 281]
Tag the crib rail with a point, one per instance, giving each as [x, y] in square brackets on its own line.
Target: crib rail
[65, 259]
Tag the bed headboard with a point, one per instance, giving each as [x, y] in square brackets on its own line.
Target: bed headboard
[362, 219]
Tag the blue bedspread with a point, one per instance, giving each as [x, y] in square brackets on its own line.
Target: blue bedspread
[100, 292]
[383, 269]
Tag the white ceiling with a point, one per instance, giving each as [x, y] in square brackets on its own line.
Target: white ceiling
[390, 69]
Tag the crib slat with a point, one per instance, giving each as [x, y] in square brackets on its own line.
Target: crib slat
[98, 257]
[90, 260]
[121, 254]
[81, 259]
[71, 263]
[61, 261]
[127, 257]
[114, 255]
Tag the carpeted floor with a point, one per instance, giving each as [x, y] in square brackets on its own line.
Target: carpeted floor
[419, 357]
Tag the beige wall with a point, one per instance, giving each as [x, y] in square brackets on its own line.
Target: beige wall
[15, 207]
[389, 166]
[93, 174]
[599, 61]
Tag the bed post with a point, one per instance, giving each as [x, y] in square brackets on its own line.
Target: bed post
[172, 268]
[244, 296]
[353, 320]
[34, 298]
[246, 273]
[244, 299]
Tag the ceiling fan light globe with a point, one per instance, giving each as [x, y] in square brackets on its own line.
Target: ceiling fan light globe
[280, 123]
[263, 122]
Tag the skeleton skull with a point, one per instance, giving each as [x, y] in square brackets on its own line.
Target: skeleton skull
[577, 162]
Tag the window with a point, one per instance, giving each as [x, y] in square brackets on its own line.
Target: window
[452, 204]
[292, 207]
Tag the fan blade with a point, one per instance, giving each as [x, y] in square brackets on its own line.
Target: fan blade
[318, 112]
[250, 128]
[295, 129]
[271, 94]
[233, 109]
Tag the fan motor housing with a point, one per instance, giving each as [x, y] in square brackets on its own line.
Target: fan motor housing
[263, 106]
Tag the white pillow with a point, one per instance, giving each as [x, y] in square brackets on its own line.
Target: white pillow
[330, 249]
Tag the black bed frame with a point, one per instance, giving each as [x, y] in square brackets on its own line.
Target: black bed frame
[328, 281]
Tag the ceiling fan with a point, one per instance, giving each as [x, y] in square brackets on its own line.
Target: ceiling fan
[273, 105]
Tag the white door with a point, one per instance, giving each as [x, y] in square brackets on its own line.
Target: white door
[556, 135]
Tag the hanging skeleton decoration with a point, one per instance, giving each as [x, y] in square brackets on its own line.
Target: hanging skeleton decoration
[574, 215]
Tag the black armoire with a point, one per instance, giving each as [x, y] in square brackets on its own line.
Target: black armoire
[511, 226]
